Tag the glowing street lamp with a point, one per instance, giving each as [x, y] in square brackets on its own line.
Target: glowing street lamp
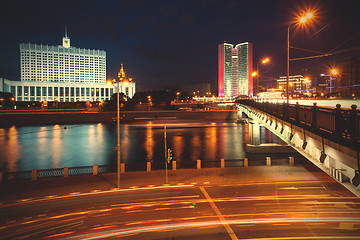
[334, 72]
[117, 85]
[256, 74]
[149, 101]
[303, 19]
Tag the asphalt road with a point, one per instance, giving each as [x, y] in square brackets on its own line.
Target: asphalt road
[313, 209]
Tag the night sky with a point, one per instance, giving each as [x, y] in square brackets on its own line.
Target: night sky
[162, 43]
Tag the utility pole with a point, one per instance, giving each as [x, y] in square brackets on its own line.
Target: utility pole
[166, 160]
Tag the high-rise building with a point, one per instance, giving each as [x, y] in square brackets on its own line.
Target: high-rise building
[62, 73]
[234, 70]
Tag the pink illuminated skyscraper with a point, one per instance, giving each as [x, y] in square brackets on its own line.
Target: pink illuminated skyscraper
[235, 66]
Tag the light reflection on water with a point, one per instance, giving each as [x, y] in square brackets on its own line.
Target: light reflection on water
[26, 148]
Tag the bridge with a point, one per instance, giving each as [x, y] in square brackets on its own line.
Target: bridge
[329, 137]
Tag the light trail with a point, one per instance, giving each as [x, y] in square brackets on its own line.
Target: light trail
[74, 195]
[176, 226]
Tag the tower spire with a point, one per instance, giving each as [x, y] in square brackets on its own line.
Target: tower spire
[66, 40]
[121, 74]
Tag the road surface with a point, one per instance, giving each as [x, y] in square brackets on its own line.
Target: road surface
[299, 209]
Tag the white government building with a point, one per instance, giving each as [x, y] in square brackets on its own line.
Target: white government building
[62, 73]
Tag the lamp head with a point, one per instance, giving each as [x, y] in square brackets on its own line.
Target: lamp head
[334, 71]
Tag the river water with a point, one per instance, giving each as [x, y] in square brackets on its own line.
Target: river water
[44, 147]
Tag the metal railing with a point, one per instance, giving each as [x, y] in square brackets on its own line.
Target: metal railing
[337, 124]
[101, 169]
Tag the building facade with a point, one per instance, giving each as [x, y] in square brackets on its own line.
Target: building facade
[62, 73]
[296, 82]
[349, 77]
[235, 66]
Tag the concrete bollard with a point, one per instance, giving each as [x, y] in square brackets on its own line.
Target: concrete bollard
[222, 163]
[340, 177]
[1, 176]
[198, 164]
[148, 167]
[336, 174]
[246, 162]
[291, 161]
[95, 169]
[173, 165]
[34, 174]
[122, 167]
[66, 171]
[268, 161]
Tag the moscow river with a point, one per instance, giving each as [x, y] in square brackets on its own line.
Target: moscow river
[57, 146]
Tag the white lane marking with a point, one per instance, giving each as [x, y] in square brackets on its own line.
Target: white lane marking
[218, 213]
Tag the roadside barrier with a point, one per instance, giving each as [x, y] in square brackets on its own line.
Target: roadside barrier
[222, 163]
[36, 174]
[291, 161]
[246, 162]
[268, 161]
[198, 164]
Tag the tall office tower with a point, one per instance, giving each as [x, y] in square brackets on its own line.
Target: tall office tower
[234, 70]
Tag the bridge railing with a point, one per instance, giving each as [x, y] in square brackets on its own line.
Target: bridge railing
[338, 124]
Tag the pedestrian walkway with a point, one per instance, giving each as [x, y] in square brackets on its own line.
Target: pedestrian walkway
[50, 187]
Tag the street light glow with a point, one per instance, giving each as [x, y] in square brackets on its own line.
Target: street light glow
[334, 71]
[309, 15]
[254, 74]
[303, 18]
[266, 60]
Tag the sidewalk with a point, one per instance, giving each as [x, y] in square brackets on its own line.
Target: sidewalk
[16, 191]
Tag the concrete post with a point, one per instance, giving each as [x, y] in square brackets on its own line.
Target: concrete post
[173, 165]
[198, 164]
[222, 163]
[148, 167]
[66, 171]
[297, 107]
[34, 174]
[340, 177]
[268, 161]
[339, 120]
[315, 110]
[122, 167]
[95, 169]
[291, 161]
[246, 162]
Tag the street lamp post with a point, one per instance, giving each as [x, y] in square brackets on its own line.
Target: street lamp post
[149, 102]
[113, 83]
[333, 74]
[264, 61]
[302, 20]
